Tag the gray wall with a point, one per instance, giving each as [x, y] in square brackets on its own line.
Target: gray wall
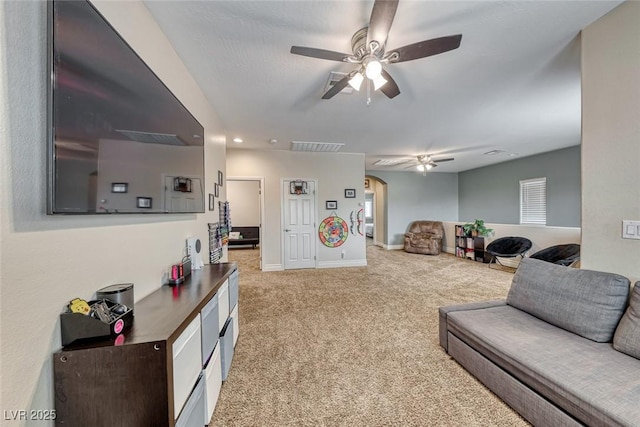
[493, 192]
[412, 196]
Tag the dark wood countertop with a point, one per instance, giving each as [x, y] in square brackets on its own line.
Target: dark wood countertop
[163, 314]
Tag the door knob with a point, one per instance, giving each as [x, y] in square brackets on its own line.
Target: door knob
[286, 229]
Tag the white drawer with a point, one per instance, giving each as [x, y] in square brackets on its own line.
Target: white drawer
[187, 363]
[210, 328]
[236, 324]
[213, 383]
[223, 304]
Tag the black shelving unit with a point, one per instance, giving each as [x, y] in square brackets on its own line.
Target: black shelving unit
[469, 247]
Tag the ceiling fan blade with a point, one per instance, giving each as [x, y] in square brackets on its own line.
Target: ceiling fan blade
[336, 88]
[319, 53]
[390, 88]
[442, 160]
[381, 19]
[425, 48]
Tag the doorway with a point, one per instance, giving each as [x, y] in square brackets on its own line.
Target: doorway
[246, 203]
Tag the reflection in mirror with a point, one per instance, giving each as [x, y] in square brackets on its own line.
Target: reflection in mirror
[114, 122]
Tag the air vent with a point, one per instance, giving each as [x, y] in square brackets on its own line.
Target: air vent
[335, 77]
[390, 162]
[317, 147]
[493, 152]
[152, 138]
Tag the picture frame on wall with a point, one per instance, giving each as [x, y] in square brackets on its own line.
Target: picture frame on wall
[144, 202]
[331, 204]
[216, 190]
[220, 178]
[212, 202]
[119, 187]
[350, 193]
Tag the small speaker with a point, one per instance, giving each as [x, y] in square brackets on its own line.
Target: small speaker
[194, 247]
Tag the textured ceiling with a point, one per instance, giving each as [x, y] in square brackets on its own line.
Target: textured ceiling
[513, 85]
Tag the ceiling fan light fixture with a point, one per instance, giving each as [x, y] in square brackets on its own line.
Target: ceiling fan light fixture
[373, 69]
[379, 82]
[356, 81]
[420, 168]
[429, 166]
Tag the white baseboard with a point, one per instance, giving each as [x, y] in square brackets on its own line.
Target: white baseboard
[338, 264]
[393, 247]
[273, 267]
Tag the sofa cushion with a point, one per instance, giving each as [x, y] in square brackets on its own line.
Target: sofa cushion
[588, 303]
[627, 336]
[591, 381]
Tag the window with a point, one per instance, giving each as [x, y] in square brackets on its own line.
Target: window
[533, 201]
[368, 209]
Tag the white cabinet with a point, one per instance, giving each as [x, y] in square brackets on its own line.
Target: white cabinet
[187, 363]
[213, 383]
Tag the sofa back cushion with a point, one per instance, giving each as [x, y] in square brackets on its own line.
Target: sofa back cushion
[585, 302]
[627, 336]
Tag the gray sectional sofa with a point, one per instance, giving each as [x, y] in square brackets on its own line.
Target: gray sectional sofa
[562, 350]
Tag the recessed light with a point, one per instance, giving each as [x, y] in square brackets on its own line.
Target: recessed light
[273, 141]
[513, 154]
[237, 140]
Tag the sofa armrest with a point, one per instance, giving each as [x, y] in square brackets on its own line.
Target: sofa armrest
[443, 311]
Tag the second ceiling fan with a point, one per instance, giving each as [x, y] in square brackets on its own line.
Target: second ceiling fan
[369, 52]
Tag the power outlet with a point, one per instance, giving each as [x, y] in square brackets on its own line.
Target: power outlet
[630, 229]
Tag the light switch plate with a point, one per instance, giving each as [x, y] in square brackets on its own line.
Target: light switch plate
[630, 229]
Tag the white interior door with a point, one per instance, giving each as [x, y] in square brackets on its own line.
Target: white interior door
[299, 227]
[178, 201]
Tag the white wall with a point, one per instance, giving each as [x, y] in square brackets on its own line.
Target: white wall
[244, 202]
[334, 172]
[48, 260]
[611, 140]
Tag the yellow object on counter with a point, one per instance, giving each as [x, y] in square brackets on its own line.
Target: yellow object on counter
[78, 305]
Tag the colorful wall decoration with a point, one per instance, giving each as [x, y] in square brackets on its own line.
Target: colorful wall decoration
[333, 231]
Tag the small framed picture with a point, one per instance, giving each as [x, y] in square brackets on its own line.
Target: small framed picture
[212, 202]
[331, 204]
[366, 183]
[220, 177]
[350, 193]
[143, 202]
[216, 190]
[119, 187]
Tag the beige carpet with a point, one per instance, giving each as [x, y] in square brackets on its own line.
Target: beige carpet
[356, 346]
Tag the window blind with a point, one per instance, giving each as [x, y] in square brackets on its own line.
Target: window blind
[533, 201]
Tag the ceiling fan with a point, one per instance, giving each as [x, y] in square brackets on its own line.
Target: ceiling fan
[426, 163]
[369, 52]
